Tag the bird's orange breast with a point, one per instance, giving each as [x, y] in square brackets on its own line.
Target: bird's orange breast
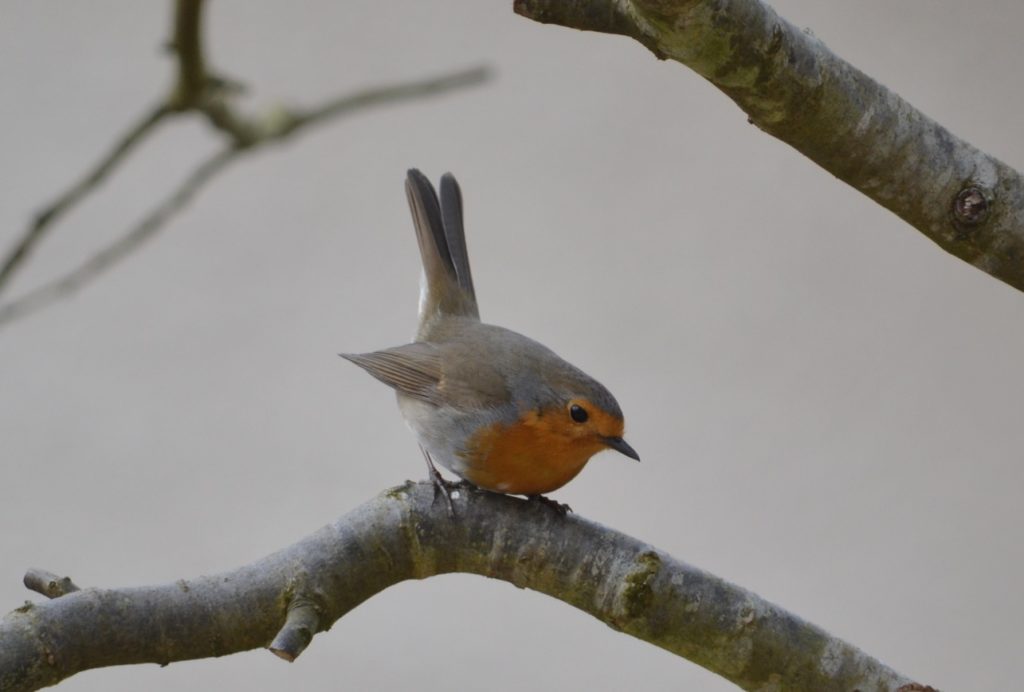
[535, 455]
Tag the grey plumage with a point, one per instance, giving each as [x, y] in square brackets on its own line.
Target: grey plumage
[443, 291]
[462, 378]
[455, 233]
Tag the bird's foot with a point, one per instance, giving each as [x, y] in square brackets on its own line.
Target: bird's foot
[561, 508]
[444, 488]
[440, 484]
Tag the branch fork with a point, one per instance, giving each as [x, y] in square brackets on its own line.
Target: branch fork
[196, 90]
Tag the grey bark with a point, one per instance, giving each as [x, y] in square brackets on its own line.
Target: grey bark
[281, 601]
[794, 88]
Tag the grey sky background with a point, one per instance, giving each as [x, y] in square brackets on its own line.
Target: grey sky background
[827, 405]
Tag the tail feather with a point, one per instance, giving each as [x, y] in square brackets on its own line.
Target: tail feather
[448, 287]
[455, 232]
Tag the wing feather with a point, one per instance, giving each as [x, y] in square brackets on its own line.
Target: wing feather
[413, 369]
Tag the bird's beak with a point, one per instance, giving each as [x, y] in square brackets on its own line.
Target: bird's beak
[620, 445]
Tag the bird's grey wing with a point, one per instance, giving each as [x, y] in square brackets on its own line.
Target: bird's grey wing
[413, 369]
[472, 379]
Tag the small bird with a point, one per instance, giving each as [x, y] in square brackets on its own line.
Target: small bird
[495, 408]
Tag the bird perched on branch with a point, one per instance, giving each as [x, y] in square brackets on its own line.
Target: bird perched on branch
[493, 407]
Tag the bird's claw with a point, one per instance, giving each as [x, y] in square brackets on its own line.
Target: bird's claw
[439, 483]
[444, 488]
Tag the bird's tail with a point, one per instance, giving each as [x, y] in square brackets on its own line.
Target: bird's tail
[447, 283]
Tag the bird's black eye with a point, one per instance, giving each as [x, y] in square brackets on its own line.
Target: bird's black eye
[578, 413]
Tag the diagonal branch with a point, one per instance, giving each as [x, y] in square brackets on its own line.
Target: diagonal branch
[122, 247]
[282, 600]
[794, 88]
[44, 220]
[272, 128]
[375, 96]
[196, 90]
[192, 81]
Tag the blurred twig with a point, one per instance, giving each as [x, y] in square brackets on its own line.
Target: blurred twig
[123, 246]
[276, 128]
[44, 220]
[187, 43]
[196, 90]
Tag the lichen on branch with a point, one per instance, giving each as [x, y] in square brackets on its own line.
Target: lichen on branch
[283, 600]
[794, 88]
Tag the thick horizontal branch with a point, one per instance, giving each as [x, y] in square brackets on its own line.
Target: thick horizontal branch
[284, 599]
[794, 88]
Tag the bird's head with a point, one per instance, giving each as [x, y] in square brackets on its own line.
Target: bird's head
[583, 411]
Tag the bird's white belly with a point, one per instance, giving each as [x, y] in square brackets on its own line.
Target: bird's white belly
[436, 430]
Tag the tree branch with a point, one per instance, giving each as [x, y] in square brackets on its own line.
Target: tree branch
[303, 117]
[108, 256]
[187, 43]
[287, 597]
[196, 90]
[44, 220]
[269, 129]
[794, 88]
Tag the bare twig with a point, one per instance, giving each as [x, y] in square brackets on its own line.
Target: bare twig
[403, 535]
[44, 220]
[187, 43]
[274, 128]
[794, 88]
[48, 583]
[122, 247]
[281, 122]
[196, 90]
[375, 96]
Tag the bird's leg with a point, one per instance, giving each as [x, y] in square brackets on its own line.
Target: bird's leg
[439, 482]
[559, 507]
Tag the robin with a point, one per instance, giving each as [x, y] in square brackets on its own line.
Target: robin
[495, 408]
